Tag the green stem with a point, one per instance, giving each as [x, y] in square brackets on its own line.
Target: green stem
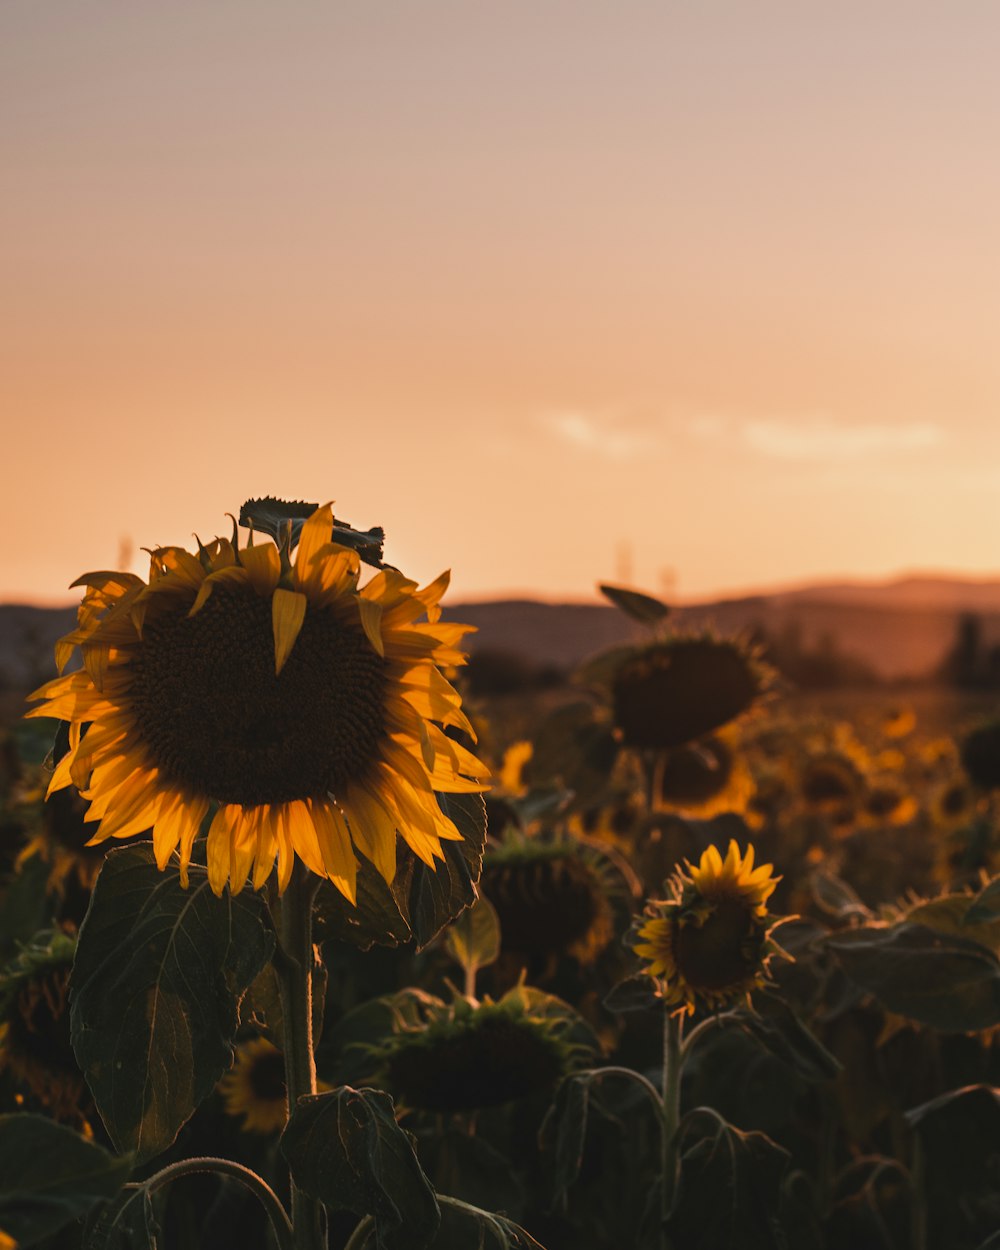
[672, 1029]
[293, 965]
[249, 1179]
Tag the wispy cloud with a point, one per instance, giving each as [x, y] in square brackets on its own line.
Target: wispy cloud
[595, 434]
[817, 439]
[823, 440]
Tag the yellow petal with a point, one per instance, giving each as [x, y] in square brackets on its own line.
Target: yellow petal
[263, 567]
[335, 847]
[315, 535]
[217, 848]
[288, 611]
[371, 623]
[373, 830]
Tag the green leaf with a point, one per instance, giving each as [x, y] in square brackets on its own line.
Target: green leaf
[943, 981]
[950, 914]
[432, 898]
[564, 1131]
[730, 1186]
[421, 900]
[159, 976]
[465, 1227]
[836, 897]
[646, 609]
[986, 905]
[126, 1223]
[780, 1031]
[473, 940]
[346, 1149]
[50, 1175]
[272, 516]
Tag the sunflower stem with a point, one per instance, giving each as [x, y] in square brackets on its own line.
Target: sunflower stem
[294, 972]
[671, 1093]
[261, 1190]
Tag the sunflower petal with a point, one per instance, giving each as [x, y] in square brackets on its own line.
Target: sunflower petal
[288, 611]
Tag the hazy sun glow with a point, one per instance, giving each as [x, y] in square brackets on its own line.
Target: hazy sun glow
[553, 292]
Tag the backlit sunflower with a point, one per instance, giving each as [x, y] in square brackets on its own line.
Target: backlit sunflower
[710, 942]
[254, 1087]
[282, 703]
[703, 778]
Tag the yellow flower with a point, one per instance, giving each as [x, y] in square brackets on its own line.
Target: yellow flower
[254, 1087]
[710, 943]
[286, 704]
[703, 778]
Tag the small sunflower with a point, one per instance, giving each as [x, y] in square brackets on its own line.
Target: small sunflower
[832, 783]
[710, 942]
[898, 722]
[702, 779]
[676, 690]
[284, 704]
[889, 802]
[254, 1087]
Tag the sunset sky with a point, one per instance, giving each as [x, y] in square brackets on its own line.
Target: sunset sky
[555, 291]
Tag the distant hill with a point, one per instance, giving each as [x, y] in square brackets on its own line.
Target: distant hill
[901, 628]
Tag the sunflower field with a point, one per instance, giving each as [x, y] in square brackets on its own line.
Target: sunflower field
[306, 943]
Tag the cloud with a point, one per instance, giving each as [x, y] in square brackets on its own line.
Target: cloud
[822, 440]
[584, 431]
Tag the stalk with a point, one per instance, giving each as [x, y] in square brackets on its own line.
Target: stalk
[671, 1094]
[293, 964]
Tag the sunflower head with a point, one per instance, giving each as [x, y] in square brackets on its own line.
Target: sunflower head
[702, 779]
[676, 690]
[898, 722]
[889, 801]
[710, 942]
[831, 783]
[551, 896]
[466, 1055]
[34, 1025]
[980, 755]
[282, 703]
[254, 1087]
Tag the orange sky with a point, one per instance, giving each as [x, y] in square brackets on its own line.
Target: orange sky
[553, 291]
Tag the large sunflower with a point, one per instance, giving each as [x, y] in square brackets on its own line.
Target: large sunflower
[281, 701]
[710, 943]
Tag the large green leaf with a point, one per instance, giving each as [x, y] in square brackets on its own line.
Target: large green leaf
[421, 900]
[273, 517]
[157, 983]
[730, 1187]
[779, 1030]
[50, 1175]
[346, 1149]
[127, 1223]
[940, 980]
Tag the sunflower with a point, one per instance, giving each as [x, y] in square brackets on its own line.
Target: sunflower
[282, 704]
[465, 1055]
[676, 690]
[710, 943]
[254, 1087]
[702, 779]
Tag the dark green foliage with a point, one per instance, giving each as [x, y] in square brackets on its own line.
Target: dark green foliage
[646, 609]
[420, 902]
[946, 982]
[157, 983]
[346, 1149]
[50, 1175]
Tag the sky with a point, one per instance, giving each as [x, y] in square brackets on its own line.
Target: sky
[700, 297]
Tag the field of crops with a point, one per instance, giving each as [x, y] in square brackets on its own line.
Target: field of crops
[666, 957]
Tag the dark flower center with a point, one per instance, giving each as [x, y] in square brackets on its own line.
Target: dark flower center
[482, 1064]
[266, 1077]
[675, 692]
[218, 721]
[711, 956]
[543, 905]
[696, 773]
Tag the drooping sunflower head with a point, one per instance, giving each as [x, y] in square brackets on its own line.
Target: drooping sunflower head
[464, 1055]
[34, 1026]
[552, 897]
[254, 1087]
[702, 779]
[283, 703]
[676, 690]
[710, 942]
